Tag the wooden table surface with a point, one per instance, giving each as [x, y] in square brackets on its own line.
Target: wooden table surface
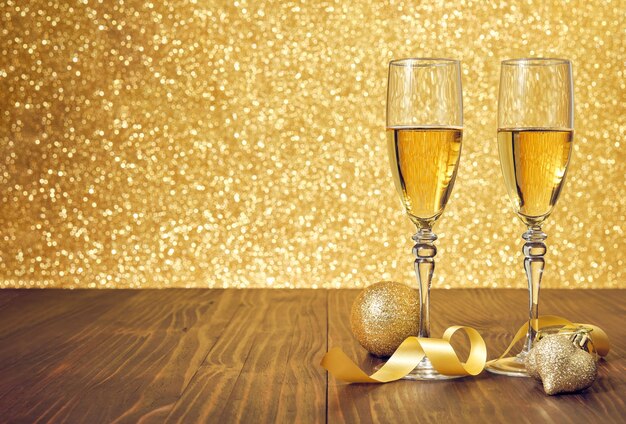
[186, 355]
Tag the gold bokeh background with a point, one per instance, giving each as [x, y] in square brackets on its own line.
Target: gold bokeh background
[213, 144]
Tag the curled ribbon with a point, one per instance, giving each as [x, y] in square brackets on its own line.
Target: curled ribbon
[442, 355]
[409, 354]
[598, 336]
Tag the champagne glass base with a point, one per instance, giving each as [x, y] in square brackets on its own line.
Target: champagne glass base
[425, 371]
[512, 366]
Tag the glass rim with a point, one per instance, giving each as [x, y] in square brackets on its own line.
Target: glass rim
[564, 330]
[418, 62]
[536, 61]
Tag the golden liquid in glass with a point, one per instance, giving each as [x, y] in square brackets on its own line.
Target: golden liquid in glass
[424, 164]
[534, 162]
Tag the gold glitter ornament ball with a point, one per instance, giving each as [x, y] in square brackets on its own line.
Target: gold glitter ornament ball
[383, 315]
[561, 366]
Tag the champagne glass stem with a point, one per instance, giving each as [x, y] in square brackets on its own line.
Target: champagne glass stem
[424, 251]
[534, 249]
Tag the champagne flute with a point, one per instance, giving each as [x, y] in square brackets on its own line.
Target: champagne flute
[424, 132]
[535, 133]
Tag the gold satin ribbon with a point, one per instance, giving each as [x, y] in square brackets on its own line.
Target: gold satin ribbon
[409, 354]
[442, 355]
[598, 336]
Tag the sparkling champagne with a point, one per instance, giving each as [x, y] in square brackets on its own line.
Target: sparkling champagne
[424, 163]
[534, 162]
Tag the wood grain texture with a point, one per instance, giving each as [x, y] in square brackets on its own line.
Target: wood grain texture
[252, 356]
[261, 372]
